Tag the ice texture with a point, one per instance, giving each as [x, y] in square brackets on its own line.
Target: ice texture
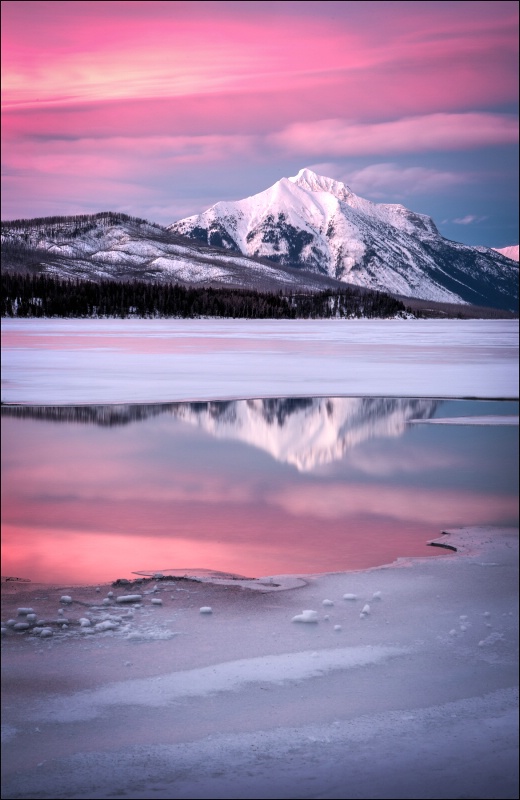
[158, 704]
[61, 362]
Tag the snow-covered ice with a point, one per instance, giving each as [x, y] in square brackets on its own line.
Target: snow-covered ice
[61, 362]
[157, 703]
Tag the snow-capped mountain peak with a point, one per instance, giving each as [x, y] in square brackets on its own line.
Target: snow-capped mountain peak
[319, 224]
[509, 252]
[310, 181]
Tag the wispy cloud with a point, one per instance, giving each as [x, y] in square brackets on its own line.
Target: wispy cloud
[469, 219]
[432, 132]
[387, 179]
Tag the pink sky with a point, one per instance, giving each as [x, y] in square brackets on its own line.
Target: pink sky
[160, 109]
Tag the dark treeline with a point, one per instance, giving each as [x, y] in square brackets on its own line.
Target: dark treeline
[102, 218]
[19, 232]
[26, 295]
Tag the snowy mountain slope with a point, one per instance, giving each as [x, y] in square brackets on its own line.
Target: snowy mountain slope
[509, 252]
[316, 223]
[115, 246]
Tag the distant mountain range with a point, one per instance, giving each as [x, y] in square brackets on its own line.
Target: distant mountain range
[303, 234]
[318, 224]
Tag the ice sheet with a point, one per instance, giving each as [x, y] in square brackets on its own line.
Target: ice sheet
[139, 361]
[416, 698]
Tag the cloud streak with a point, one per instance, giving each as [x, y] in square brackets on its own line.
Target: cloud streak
[142, 104]
[340, 137]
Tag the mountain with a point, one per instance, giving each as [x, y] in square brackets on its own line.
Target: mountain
[316, 223]
[509, 252]
[115, 246]
[304, 432]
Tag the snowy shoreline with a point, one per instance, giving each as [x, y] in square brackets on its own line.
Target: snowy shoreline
[402, 682]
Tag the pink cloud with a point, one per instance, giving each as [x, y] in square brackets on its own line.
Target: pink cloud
[414, 58]
[414, 134]
[167, 85]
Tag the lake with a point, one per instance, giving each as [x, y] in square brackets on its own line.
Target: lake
[252, 487]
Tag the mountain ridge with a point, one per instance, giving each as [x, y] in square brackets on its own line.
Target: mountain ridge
[318, 224]
[304, 234]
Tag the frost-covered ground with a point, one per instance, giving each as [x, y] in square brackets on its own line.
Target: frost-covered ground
[396, 682]
[150, 361]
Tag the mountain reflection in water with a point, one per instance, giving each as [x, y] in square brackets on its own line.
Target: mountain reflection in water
[251, 487]
[304, 432]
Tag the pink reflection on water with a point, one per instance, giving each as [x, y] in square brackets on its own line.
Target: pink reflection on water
[55, 555]
[87, 539]
[84, 503]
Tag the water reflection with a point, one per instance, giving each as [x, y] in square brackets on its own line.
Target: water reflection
[304, 432]
[258, 487]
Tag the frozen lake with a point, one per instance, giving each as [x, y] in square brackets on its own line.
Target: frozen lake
[392, 682]
[65, 362]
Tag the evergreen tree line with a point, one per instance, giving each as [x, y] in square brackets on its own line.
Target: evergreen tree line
[24, 231]
[42, 295]
[102, 218]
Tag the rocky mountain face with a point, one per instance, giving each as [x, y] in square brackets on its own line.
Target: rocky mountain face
[318, 224]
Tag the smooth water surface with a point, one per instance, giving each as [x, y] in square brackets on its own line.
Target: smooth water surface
[251, 487]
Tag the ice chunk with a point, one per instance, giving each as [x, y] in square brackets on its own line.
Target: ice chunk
[45, 633]
[129, 598]
[21, 626]
[156, 601]
[349, 596]
[377, 596]
[327, 603]
[31, 617]
[84, 622]
[106, 625]
[22, 612]
[337, 627]
[365, 610]
[66, 598]
[307, 615]
[206, 610]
